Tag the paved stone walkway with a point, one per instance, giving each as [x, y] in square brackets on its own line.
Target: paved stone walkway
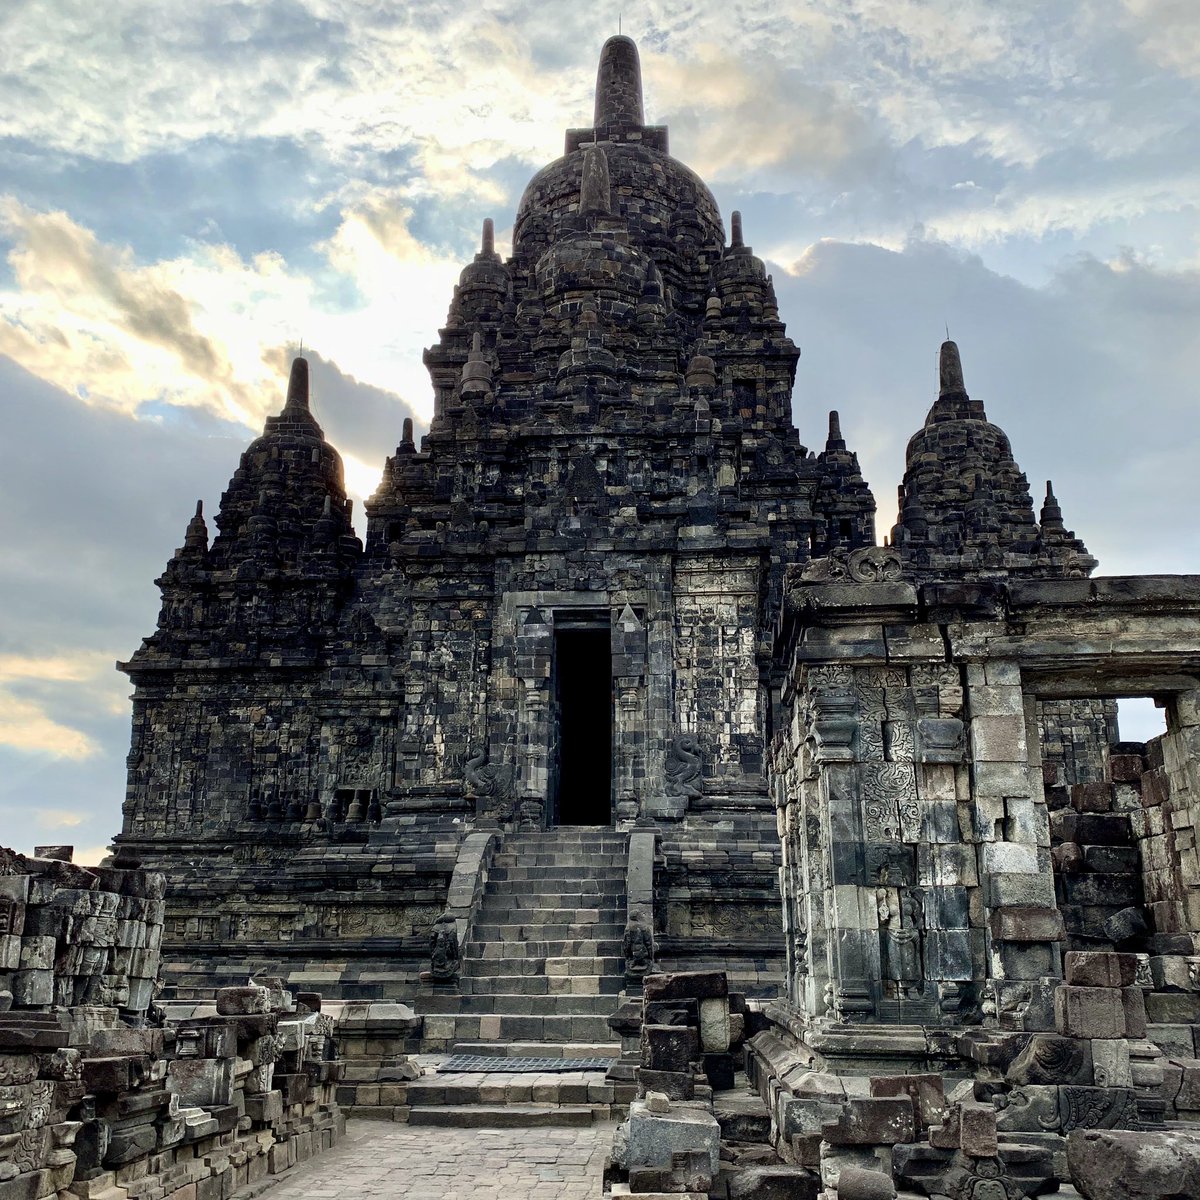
[379, 1159]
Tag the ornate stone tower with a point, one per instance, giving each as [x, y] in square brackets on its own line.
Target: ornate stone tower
[564, 609]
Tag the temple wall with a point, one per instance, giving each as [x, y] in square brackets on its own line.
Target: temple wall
[1075, 737]
[1169, 823]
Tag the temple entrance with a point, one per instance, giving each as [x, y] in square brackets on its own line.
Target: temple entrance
[583, 703]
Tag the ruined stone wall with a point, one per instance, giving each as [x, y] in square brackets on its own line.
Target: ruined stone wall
[1075, 739]
[78, 935]
[1169, 821]
[878, 875]
[99, 1092]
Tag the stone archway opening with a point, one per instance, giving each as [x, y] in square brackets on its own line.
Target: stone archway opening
[583, 702]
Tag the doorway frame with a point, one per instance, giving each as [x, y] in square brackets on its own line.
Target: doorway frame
[596, 620]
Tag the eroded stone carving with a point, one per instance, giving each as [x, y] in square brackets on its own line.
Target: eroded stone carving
[682, 771]
[868, 564]
[444, 954]
[638, 945]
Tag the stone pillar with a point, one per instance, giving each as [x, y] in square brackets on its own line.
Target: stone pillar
[1181, 807]
[1009, 823]
[629, 711]
[535, 642]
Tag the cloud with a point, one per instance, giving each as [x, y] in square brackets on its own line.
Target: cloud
[25, 726]
[1169, 33]
[758, 118]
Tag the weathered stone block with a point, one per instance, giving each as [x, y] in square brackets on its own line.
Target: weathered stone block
[1027, 925]
[654, 1138]
[1101, 969]
[714, 1025]
[669, 1047]
[1089, 1012]
[1051, 1059]
[926, 1091]
[1121, 1165]
[682, 985]
[977, 1130]
[854, 1183]
[1110, 1062]
[882, 1121]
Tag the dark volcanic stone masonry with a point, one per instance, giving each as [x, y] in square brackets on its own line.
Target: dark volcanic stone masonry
[620, 727]
[611, 587]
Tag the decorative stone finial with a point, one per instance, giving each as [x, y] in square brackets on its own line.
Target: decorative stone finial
[196, 537]
[297, 393]
[406, 432]
[835, 440]
[619, 84]
[735, 230]
[477, 371]
[1051, 515]
[595, 192]
[488, 246]
[951, 369]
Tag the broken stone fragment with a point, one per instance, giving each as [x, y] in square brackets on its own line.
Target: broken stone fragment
[854, 1183]
[1126, 1165]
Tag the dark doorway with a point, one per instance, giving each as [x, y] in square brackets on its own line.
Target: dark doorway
[583, 700]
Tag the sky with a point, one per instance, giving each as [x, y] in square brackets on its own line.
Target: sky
[188, 192]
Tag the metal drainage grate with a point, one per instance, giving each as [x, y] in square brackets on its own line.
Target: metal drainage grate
[479, 1063]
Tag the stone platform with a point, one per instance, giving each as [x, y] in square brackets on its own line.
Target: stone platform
[378, 1160]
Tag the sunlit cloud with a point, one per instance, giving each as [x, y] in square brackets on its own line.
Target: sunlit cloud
[25, 726]
[57, 818]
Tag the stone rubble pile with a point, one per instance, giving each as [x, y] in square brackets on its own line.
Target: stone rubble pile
[101, 1096]
[998, 1115]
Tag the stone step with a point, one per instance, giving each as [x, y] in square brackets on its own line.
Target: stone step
[531, 931]
[542, 947]
[540, 985]
[503, 1116]
[591, 1004]
[527, 876]
[510, 1088]
[493, 910]
[568, 833]
[579, 860]
[447, 1028]
[547, 965]
[606, 1049]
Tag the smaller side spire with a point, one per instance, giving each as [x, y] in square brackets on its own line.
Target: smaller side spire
[736, 241]
[196, 537]
[1051, 515]
[488, 242]
[406, 433]
[835, 441]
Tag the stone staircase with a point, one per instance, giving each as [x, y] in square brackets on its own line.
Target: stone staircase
[542, 971]
[544, 963]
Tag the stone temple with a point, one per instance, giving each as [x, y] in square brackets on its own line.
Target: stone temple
[620, 727]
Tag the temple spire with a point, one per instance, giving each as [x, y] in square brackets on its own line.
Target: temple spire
[488, 245]
[950, 369]
[735, 230]
[297, 393]
[619, 85]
